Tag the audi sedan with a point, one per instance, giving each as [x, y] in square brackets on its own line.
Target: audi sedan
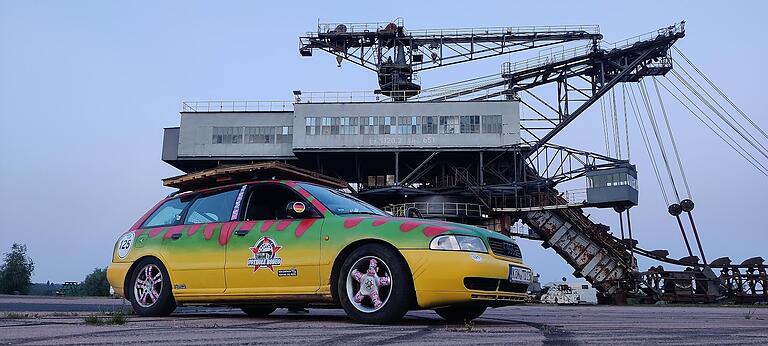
[264, 245]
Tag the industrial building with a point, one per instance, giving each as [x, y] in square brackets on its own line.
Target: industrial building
[462, 152]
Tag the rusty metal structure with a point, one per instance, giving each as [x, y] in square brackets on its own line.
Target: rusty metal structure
[520, 180]
[388, 156]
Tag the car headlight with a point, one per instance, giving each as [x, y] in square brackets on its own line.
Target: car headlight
[458, 243]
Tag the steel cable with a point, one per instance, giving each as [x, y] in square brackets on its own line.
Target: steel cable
[721, 92]
[672, 139]
[690, 88]
[732, 143]
[640, 123]
[647, 99]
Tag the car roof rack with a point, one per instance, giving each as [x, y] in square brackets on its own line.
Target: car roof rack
[227, 175]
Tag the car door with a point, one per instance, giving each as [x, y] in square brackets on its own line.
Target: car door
[274, 251]
[196, 249]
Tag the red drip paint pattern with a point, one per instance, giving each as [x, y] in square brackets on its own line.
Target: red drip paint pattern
[266, 225]
[304, 226]
[226, 232]
[193, 229]
[208, 231]
[409, 226]
[172, 230]
[352, 222]
[283, 224]
[379, 222]
[155, 231]
[431, 231]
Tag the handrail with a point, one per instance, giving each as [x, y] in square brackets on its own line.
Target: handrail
[677, 28]
[348, 28]
[561, 53]
[526, 29]
[324, 28]
[437, 208]
[371, 96]
[545, 57]
[235, 106]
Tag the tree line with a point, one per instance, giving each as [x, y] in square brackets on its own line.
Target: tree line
[16, 275]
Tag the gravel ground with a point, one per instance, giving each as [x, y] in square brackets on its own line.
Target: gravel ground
[47, 321]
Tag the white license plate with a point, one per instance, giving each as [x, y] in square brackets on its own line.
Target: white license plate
[521, 275]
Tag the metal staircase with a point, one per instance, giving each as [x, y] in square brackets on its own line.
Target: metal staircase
[587, 247]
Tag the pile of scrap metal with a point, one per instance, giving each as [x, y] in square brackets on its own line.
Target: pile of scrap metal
[744, 283]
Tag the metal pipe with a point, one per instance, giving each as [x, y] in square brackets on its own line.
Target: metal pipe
[685, 237]
[631, 245]
[621, 224]
[698, 241]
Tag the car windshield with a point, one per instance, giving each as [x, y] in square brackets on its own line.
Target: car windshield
[341, 203]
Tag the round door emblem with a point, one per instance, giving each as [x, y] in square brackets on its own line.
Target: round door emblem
[124, 244]
[299, 207]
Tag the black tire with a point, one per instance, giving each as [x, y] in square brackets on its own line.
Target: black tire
[399, 293]
[257, 311]
[165, 304]
[461, 313]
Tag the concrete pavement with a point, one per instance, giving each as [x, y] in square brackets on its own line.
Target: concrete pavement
[534, 324]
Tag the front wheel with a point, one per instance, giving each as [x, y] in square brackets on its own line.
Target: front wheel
[374, 285]
[150, 289]
[461, 313]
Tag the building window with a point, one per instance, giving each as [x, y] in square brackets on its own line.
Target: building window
[386, 125]
[470, 124]
[227, 135]
[330, 126]
[259, 134]
[408, 125]
[284, 134]
[349, 126]
[369, 125]
[491, 123]
[449, 124]
[429, 125]
[312, 126]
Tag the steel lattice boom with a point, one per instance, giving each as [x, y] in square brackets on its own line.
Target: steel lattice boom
[396, 54]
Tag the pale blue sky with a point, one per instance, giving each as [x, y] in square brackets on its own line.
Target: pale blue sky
[87, 86]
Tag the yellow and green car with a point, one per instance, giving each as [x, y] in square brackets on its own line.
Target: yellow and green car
[263, 245]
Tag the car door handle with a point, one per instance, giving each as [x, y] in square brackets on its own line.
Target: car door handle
[176, 236]
[241, 232]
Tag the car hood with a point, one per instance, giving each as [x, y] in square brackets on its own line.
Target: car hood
[439, 227]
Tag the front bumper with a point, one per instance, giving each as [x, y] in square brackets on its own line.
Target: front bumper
[116, 273]
[439, 278]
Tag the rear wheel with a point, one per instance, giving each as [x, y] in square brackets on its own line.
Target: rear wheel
[461, 313]
[257, 311]
[374, 285]
[150, 289]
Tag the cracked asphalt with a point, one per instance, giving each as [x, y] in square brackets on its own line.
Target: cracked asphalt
[48, 321]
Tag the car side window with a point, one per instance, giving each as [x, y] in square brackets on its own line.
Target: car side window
[167, 214]
[212, 208]
[269, 202]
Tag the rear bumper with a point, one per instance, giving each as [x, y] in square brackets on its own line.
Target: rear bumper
[439, 279]
[116, 273]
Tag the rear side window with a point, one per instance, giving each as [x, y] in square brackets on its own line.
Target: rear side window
[212, 208]
[166, 214]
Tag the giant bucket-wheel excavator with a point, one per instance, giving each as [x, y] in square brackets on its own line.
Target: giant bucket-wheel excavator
[569, 70]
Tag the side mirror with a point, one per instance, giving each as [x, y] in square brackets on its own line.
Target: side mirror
[296, 210]
[413, 213]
